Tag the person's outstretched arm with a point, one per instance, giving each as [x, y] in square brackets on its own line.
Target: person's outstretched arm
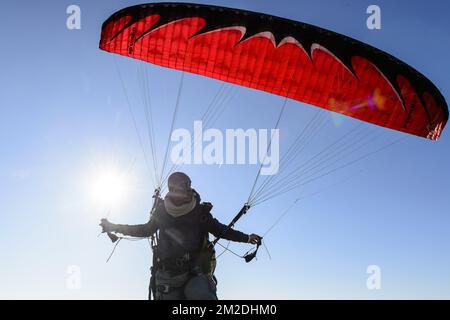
[138, 230]
[221, 230]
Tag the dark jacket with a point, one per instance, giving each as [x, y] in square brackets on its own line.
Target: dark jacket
[184, 234]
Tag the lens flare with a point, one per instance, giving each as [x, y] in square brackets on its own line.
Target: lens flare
[108, 188]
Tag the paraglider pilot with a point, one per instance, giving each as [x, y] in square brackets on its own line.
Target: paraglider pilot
[183, 259]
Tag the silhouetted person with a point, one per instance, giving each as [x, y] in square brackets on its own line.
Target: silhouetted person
[184, 259]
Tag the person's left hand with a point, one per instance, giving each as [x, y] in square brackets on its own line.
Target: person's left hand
[254, 239]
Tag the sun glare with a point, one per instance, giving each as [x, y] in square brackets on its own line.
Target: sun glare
[108, 188]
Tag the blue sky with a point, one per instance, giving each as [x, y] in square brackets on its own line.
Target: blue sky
[63, 117]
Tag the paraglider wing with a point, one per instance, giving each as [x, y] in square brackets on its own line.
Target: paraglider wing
[283, 57]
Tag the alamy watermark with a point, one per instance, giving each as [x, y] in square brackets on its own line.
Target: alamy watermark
[373, 282]
[235, 146]
[73, 21]
[73, 280]
[373, 22]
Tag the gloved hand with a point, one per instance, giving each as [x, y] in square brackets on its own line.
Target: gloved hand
[254, 239]
[106, 225]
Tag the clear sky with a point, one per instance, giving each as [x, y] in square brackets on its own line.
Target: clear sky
[64, 119]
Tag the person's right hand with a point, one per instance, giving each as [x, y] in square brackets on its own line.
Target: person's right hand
[106, 225]
[254, 239]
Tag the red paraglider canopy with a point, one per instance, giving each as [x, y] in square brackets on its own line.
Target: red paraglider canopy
[280, 56]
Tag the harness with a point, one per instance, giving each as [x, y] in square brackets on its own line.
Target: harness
[195, 262]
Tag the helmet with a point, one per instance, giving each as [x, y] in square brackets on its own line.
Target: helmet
[179, 181]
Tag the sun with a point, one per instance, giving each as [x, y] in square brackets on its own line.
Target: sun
[108, 187]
